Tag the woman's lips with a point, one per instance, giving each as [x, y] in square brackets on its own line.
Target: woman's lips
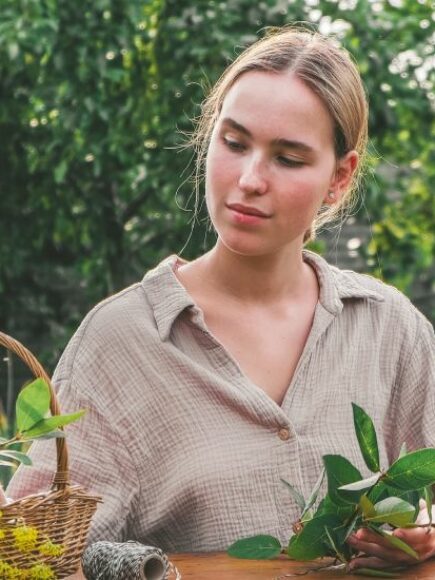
[244, 214]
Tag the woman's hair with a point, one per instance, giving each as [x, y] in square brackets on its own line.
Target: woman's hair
[325, 67]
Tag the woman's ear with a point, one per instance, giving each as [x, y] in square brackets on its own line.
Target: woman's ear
[342, 179]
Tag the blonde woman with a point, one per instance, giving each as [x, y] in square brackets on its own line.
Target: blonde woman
[209, 381]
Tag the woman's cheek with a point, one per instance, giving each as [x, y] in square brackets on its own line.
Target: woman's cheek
[303, 204]
[221, 179]
[307, 190]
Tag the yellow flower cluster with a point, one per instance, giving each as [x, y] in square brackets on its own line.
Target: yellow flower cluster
[37, 572]
[25, 538]
[8, 571]
[40, 572]
[28, 539]
[48, 548]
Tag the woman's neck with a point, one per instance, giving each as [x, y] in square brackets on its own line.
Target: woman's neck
[257, 280]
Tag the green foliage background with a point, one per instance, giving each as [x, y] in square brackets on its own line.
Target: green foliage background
[95, 97]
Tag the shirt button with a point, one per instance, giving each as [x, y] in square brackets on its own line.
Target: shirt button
[284, 434]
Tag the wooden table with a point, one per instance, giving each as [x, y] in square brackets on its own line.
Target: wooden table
[219, 566]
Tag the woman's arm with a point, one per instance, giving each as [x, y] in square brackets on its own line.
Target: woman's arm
[99, 458]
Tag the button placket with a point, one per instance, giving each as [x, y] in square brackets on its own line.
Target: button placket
[284, 434]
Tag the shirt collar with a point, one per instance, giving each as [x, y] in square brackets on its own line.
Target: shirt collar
[336, 285]
[168, 297]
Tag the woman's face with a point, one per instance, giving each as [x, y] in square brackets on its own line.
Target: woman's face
[271, 164]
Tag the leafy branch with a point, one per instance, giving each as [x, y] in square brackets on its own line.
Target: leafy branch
[386, 500]
[33, 422]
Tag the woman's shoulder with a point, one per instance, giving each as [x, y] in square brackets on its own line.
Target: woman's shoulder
[126, 320]
[116, 312]
[355, 292]
[386, 292]
[350, 284]
[108, 327]
[139, 314]
[131, 307]
[391, 303]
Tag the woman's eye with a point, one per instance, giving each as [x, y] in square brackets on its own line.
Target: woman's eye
[233, 145]
[289, 162]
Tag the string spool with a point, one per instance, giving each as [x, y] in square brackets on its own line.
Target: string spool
[124, 561]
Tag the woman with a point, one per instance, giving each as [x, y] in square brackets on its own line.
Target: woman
[210, 381]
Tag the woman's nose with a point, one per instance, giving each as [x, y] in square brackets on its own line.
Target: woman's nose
[252, 178]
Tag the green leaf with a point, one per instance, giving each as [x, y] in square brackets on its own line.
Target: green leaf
[412, 497]
[315, 492]
[367, 508]
[353, 491]
[413, 471]
[403, 450]
[306, 516]
[398, 543]
[342, 532]
[366, 435]
[260, 547]
[60, 171]
[297, 496]
[327, 506]
[51, 424]
[361, 485]
[52, 435]
[339, 472]
[7, 463]
[8, 454]
[334, 547]
[393, 511]
[33, 404]
[382, 491]
[312, 542]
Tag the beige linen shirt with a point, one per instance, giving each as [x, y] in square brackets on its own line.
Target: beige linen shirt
[187, 452]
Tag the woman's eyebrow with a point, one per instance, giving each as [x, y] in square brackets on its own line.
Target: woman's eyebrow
[237, 126]
[281, 142]
[292, 144]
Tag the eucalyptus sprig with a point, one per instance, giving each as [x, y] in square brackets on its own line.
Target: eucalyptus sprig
[33, 422]
[386, 500]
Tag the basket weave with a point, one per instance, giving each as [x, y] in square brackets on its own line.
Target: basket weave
[62, 514]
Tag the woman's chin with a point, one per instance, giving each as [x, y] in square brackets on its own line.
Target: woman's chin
[252, 245]
[244, 247]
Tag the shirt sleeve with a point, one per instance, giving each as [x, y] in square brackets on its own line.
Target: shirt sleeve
[98, 457]
[412, 411]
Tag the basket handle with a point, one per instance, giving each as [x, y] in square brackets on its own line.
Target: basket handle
[61, 479]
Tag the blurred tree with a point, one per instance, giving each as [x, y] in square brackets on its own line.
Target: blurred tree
[96, 97]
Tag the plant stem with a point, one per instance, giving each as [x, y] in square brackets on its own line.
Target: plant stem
[9, 442]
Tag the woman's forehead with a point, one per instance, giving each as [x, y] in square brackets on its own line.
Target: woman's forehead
[277, 103]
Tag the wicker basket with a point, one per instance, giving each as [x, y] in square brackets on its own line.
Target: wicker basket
[62, 514]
